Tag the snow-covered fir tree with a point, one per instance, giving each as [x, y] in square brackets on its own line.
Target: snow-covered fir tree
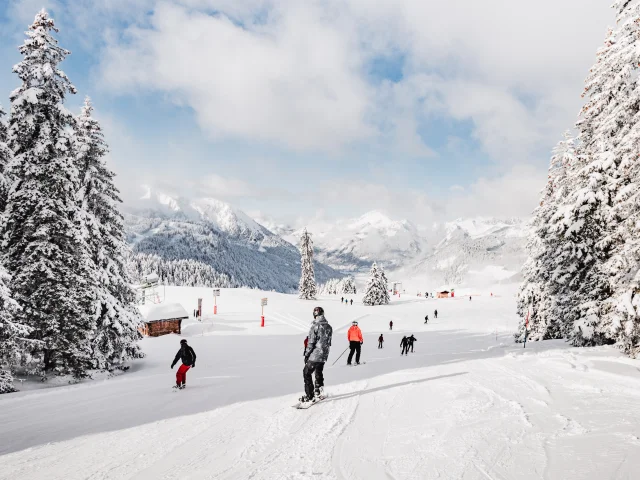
[115, 314]
[377, 291]
[43, 245]
[307, 287]
[615, 133]
[330, 287]
[588, 263]
[540, 287]
[5, 159]
[348, 286]
[13, 336]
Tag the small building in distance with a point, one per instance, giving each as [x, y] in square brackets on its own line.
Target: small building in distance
[162, 319]
[443, 294]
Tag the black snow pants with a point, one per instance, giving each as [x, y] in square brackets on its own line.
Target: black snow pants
[355, 347]
[405, 349]
[309, 369]
[379, 344]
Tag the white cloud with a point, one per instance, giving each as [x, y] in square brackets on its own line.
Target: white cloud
[293, 73]
[292, 80]
[511, 193]
[221, 187]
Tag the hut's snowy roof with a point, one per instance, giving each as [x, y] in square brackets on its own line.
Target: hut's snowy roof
[163, 311]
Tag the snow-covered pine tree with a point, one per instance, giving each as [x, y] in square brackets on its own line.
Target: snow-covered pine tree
[377, 291]
[5, 158]
[539, 289]
[577, 235]
[116, 317]
[307, 286]
[348, 286]
[13, 336]
[43, 245]
[616, 139]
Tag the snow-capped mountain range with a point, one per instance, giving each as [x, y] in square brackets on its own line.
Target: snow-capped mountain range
[262, 253]
[351, 244]
[214, 233]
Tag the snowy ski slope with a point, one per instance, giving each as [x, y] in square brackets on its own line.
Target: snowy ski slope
[467, 404]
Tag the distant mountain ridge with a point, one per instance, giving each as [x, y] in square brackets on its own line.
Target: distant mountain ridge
[261, 253]
[353, 244]
[218, 235]
[448, 252]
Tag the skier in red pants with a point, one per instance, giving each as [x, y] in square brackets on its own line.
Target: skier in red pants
[188, 357]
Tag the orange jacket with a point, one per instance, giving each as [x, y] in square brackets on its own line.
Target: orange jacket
[354, 334]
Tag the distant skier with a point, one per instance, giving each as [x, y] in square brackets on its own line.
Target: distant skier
[342, 300]
[315, 356]
[411, 339]
[391, 325]
[404, 343]
[426, 319]
[352, 301]
[469, 297]
[435, 314]
[354, 335]
[188, 357]
[380, 341]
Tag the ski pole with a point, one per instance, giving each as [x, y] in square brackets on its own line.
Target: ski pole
[340, 356]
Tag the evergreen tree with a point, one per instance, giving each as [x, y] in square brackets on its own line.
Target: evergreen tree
[307, 287]
[541, 287]
[13, 336]
[349, 286]
[116, 316]
[377, 291]
[5, 159]
[43, 243]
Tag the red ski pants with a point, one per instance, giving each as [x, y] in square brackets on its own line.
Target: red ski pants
[181, 374]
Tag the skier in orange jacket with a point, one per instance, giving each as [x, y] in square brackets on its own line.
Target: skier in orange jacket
[354, 335]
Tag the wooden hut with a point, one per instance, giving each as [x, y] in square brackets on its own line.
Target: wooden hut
[443, 294]
[162, 319]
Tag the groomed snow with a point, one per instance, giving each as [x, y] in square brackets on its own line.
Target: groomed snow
[467, 404]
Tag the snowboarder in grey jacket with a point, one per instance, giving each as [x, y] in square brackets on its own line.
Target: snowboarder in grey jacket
[315, 356]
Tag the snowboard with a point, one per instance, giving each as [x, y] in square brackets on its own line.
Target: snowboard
[304, 406]
[356, 364]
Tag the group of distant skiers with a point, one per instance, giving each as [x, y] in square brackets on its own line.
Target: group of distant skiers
[316, 352]
[346, 301]
[435, 314]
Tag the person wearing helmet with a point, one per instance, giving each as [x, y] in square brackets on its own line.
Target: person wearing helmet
[188, 357]
[315, 356]
[354, 335]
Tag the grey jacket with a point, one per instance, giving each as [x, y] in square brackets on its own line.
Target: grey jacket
[319, 340]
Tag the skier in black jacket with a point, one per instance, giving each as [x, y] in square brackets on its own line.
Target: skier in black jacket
[405, 345]
[188, 357]
[411, 339]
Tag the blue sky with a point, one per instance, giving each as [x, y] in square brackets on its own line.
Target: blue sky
[328, 107]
